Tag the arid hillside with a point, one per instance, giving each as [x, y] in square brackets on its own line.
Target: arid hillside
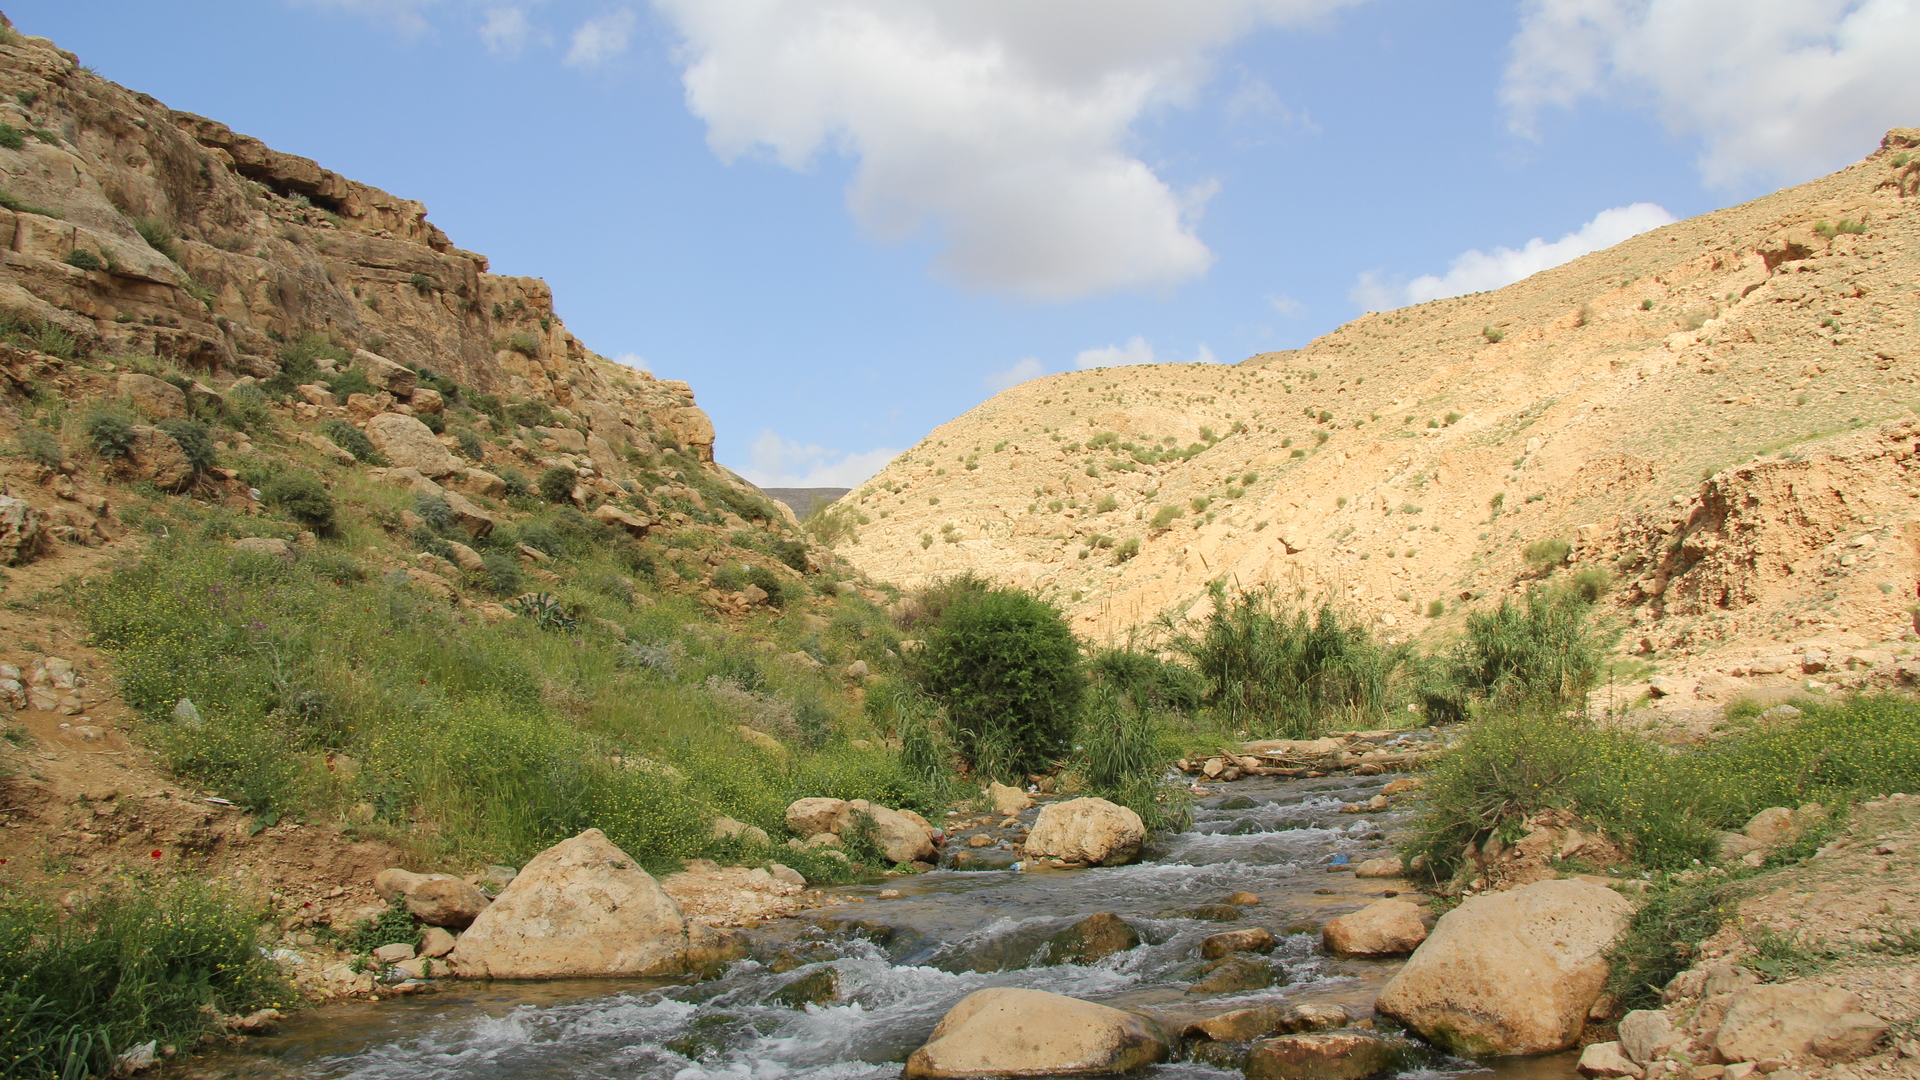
[1716, 413]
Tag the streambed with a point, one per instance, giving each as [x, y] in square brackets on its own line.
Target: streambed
[898, 964]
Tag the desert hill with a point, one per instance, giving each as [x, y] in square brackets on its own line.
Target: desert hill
[1717, 413]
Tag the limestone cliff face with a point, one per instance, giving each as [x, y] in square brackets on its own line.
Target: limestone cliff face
[245, 246]
[1714, 413]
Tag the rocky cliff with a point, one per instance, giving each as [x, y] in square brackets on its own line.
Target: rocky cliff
[138, 229]
[1717, 414]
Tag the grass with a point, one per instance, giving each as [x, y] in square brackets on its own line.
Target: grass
[128, 964]
[1665, 807]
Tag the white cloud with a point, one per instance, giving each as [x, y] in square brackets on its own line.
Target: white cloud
[1136, 351]
[404, 16]
[1005, 380]
[780, 462]
[505, 30]
[600, 39]
[1287, 306]
[633, 360]
[1478, 271]
[1780, 89]
[999, 127]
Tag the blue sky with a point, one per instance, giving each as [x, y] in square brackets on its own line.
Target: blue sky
[847, 221]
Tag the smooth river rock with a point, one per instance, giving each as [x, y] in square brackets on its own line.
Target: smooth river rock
[1010, 1032]
[1510, 973]
[1384, 928]
[1087, 830]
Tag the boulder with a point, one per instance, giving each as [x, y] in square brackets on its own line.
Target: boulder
[1644, 1033]
[581, 908]
[1334, 1055]
[609, 514]
[1784, 1020]
[468, 515]
[898, 837]
[23, 531]
[1510, 973]
[1006, 799]
[1604, 1059]
[1093, 938]
[484, 482]
[1232, 974]
[155, 456]
[436, 942]
[152, 397]
[1011, 1032]
[1384, 928]
[385, 374]
[434, 899]
[265, 545]
[426, 400]
[1240, 1025]
[1257, 939]
[811, 817]
[1086, 830]
[410, 444]
[466, 558]
[1375, 868]
[725, 828]
[393, 954]
[1772, 827]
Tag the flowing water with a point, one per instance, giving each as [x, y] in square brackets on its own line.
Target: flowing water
[900, 963]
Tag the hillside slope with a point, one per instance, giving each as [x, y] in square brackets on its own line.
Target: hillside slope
[1699, 410]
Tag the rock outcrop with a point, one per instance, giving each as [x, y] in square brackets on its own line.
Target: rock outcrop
[1510, 973]
[1009, 1032]
[1086, 830]
[581, 908]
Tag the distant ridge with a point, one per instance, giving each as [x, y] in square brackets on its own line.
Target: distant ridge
[802, 501]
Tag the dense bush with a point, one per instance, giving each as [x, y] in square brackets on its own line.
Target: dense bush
[1291, 672]
[110, 430]
[194, 439]
[301, 496]
[353, 441]
[1007, 668]
[42, 447]
[557, 484]
[1152, 683]
[81, 984]
[768, 583]
[1541, 651]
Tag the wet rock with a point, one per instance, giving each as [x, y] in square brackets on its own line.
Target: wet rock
[1005, 1032]
[1237, 802]
[1231, 1056]
[1384, 928]
[1243, 899]
[1007, 799]
[1308, 1016]
[1604, 1060]
[1240, 1025]
[1510, 973]
[1337, 1055]
[1232, 974]
[984, 860]
[1093, 938]
[1378, 868]
[1255, 939]
[1783, 1020]
[817, 987]
[1209, 913]
[1086, 830]
[581, 908]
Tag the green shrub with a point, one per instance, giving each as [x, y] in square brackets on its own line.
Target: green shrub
[349, 382]
[121, 966]
[1126, 550]
[530, 414]
[1494, 336]
[246, 409]
[1165, 516]
[1294, 670]
[487, 405]
[471, 447]
[195, 441]
[12, 137]
[1150, 682]
[42, 447]
[83, 259]
[1590, 583]
[503, 574]
[1543, 555]
[1006, 667]
[1659, 942]
[421, 283]
[1540, 651]
[557, 484]
[526, 345]
[517, 485]
[110, 431]
[434, 422]
[793, 553]
[393, 926]
[301, 496]
[159, 236]
[769, 583]
[353, 441]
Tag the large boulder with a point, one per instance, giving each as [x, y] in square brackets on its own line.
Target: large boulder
[410, 444]
[152, 397]
[434, 899]
[1510, 973]
[1384, 928]
[1334, 1055]
[1088, 830]
[811, 817]
[899, 838]
[385, 374]
[1007, 799]
[1785, 1020]
[581, 908]
[1010, 1032]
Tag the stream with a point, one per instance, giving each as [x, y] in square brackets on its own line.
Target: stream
[900, 963]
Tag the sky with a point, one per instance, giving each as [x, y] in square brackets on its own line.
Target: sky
[845, 222]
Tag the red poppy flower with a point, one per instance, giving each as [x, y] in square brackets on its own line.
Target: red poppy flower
[156, 853]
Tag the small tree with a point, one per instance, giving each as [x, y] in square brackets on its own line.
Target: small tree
[1006, 666]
